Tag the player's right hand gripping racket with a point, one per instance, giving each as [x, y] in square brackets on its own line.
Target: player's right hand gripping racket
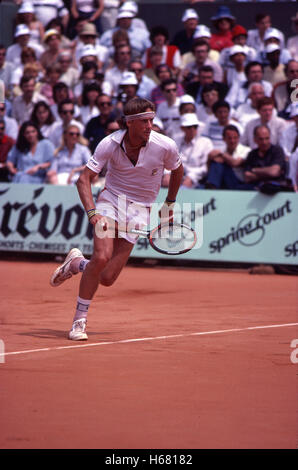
[170, 239]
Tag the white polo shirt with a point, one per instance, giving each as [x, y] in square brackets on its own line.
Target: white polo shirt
[140, 183]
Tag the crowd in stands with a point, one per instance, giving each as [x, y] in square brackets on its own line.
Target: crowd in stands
[227, 94]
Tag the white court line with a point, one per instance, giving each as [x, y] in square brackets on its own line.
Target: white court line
[150, 338]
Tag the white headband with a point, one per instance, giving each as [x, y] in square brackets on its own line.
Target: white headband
[147, 114]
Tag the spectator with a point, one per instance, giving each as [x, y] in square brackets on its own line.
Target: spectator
[28, 57]
[109, 14]
[155, 56]
[66, 111]
[70, 158]
[210, 96]
[89, 108]
[283, 90]
[69, 74]
[293, 170]
[52, 41]
[201, 50]
[132, 7]
[265, 164]
[22, 39]
[51, 78]
[238, 92]
[256, 36]
[6, 143]
[159, 37]
[67, 44]
[273, 36]
[225, 168]
[6, 71]
[22, 105]
[128, 88]
[248, 110]
[61, 92]
[138, 38]
[289, 136]
[201, 32]
[95, 128]
[163, 72]
[26, 15]
[145, 84]
[31, 156]
[223, 23]
[114, 75]
[236, 73]
[194, 151]
[206, 77]
[183, 39]
[274, 72]
[239, 37]
[43, 118]
[11, 125]
[88, 10]
[168, 110]
[214, 129]
[47, 11]
[88, 36]
[275, 124]
[292, 44]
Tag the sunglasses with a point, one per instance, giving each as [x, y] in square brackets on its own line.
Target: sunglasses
[68, 111]
[76, 134]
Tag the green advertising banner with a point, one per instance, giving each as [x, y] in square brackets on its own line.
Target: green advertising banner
[232, 226]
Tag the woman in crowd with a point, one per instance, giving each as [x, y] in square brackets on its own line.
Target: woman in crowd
[43, 117]
[89, 108]
[31, 156]
[70, 158]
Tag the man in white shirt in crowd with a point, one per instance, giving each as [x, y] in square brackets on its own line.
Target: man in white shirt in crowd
[238, 92]
[255, 37]
[22, 39]
[201, 50]
[22, 105]
[289, 137]
[168, 110]
[146, 85]
[122, 58]
[225, 170]
[214, 129]
[248, 110]
[194, 151]
[266, 118]
[46, 11]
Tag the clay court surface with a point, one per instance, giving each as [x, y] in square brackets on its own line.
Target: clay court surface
[176, 359]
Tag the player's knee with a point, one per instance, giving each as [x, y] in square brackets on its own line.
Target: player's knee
[99, 261]
[107, 280]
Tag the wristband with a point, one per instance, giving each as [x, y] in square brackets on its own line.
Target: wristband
[91, 213]
[169, 201]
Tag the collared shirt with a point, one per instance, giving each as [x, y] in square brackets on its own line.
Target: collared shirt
[214, 131]
[288, 138]
[276, 125]
[65, 163]
[141, 182]
[194, 156]
[170, 117]
[274, 156]
[254, 40]
[238, 92]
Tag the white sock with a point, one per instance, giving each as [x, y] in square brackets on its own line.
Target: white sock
[82, 309]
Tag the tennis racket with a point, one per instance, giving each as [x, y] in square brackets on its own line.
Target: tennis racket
[170, 239]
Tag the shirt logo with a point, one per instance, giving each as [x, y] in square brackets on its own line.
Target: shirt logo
[154, 172]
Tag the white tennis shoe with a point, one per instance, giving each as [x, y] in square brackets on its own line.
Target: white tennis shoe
[63, 272]
[78, 330]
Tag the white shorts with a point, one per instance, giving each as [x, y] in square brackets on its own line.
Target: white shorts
[126, 213]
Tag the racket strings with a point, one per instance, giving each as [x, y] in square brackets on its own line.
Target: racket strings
[173, 238]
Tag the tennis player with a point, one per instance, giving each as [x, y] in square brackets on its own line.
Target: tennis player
[136, 157]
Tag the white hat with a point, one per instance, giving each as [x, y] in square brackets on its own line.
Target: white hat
[272, 33]
[49, 33]
[26, 7]
[189, 119]
[185, 99]
[189, 14]
[158, 122]
[88, 49]
[21, 30]
[78, 124]
[202, 31]
[128, 78]
[130, 6]
[294, 109]
[272, 48]
[237, 49]
[125, 14]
